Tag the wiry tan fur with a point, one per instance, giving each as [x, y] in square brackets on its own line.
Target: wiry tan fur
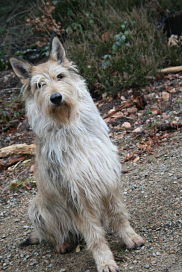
[77, 166]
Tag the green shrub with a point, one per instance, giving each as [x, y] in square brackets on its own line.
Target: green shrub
[115, 43]
[131, 54]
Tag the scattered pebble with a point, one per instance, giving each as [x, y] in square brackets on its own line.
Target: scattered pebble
[126, 125]
[165, 96]
[138, 130]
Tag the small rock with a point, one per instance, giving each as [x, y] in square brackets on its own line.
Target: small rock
[138, 130]
[151, 95]
[62, 270]
[173, 90]
[132, 110]
[155, 111]
[147, 266]
[26, 227]
[165, 116]
[165, 96]
[26, 257]
[34, 262]
[134, 186]
[32, 168]
[126, 125]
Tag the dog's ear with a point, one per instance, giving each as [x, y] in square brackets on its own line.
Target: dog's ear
[57, 52]
[21, 68]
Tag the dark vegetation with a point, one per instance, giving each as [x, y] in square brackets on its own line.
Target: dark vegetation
[116, 43]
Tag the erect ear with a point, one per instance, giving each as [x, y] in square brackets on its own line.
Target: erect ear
[21, 68]
[57, 52]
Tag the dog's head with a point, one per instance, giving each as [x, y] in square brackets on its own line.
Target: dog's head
[52, 86]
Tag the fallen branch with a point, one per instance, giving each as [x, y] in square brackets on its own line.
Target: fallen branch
[17, 149]
[174, 69]
[7, 162]
[137, 100]
[126, 104]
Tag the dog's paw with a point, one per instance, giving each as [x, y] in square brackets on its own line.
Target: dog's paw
[31, 240]
[108, 267]
[64, 248]
[133, 241]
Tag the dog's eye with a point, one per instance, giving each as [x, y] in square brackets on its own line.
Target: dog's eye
[60, 76]
[40, 85]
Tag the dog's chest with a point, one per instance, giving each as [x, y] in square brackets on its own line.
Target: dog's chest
[76, 161]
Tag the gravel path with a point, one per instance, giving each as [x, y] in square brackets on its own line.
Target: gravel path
[152, 188]
[151, 183]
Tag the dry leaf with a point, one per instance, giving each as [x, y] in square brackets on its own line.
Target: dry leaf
[132, 110]
[130, 156]
[155, 111]
[107, 120]
[139, 100]
[126, 104]
[5, 163]
[78, 249]
[118, 114]
[136, 159]
[173, 90]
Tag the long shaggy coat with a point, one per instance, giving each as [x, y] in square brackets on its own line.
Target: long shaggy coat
[77, 165]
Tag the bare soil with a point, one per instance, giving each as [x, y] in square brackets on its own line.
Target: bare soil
[152, 177]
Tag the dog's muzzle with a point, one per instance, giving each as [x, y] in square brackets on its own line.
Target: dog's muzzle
[56, 99]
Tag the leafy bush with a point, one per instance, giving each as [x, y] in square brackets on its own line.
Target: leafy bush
[114, 47]
[116, 43]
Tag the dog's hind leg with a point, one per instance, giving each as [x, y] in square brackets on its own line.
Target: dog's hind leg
[119, 219]
[94, 235]
[46, 220]
[33, 239]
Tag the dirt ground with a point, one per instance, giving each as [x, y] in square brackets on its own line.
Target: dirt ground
[152, 177]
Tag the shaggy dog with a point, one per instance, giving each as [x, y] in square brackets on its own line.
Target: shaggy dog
[77, 166]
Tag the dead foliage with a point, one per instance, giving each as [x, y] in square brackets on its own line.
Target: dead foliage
[45, 23]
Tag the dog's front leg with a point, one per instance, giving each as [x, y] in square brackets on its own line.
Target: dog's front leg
[94, 236]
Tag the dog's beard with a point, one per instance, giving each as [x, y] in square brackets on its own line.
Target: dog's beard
[63, 114]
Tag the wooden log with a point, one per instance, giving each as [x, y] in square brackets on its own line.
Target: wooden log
[17, 149]
[174, 69]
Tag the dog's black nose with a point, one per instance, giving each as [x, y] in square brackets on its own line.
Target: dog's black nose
[56, 98]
